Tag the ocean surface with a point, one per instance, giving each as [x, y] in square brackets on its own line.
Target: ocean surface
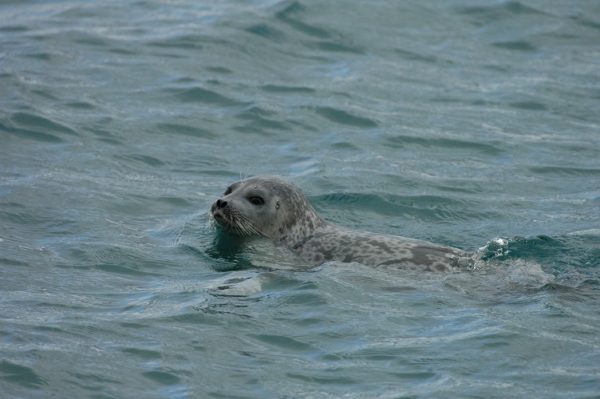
[469, 123]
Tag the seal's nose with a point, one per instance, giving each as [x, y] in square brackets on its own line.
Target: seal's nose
[221, 204]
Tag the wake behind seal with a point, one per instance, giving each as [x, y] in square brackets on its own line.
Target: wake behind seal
[275, 209]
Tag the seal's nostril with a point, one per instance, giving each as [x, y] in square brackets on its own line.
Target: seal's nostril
[221, 204]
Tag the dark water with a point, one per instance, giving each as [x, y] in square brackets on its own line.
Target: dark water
[468, 123]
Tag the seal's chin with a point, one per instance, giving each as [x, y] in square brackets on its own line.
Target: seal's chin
[234, 223]
[226, 222]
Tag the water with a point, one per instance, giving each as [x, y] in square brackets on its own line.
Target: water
[468, 123]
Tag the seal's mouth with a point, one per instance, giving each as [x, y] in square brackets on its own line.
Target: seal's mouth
[233, 222]
[220, 217]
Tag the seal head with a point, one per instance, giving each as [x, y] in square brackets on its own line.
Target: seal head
[267, 207]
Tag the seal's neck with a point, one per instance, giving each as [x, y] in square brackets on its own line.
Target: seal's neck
[302, 229]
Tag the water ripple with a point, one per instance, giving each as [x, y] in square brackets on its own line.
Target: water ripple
[423, 207]
[290, 16]
[444, 142]
[186, 130]
[345, 118]
[201, 95]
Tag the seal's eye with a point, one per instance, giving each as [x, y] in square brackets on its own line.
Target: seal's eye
[256, 200]
[228, 191]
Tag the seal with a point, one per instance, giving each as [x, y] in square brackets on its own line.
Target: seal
[275, 209]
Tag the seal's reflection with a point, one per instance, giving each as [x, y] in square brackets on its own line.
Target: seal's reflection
[230, 248]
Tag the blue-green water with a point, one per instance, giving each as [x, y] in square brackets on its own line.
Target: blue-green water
[459, 122]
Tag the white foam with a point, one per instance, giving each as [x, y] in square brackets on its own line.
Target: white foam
[590, 232]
